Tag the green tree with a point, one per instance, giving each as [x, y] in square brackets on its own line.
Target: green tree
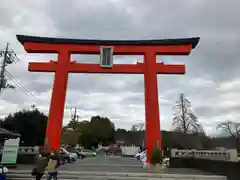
[31, 124]
[91, 133]
[70, 137]
[102, 129]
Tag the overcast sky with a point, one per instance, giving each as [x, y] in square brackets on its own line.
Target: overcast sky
[211, 83]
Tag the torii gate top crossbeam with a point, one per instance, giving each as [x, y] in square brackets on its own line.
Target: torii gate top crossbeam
[33, 44]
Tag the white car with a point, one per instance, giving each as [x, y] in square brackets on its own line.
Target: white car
[74, 155]
[139, 155]
[143, 155]
[88, 153]
[166, 161]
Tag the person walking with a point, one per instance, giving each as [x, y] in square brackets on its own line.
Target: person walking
[52, 166]
[41, 164]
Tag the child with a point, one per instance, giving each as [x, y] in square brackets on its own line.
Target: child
[52, 166]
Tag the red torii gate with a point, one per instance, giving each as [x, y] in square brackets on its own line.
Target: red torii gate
[150, 68]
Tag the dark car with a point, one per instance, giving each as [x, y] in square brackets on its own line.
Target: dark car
[114, 150]
[80, 154]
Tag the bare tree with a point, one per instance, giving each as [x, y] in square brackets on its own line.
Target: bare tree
[137, 127]
[184, 120]
[233, 129]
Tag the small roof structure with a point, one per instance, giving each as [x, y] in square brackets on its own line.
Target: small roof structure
[8, 134]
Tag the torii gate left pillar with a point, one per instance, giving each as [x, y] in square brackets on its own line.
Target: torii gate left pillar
[65, 47]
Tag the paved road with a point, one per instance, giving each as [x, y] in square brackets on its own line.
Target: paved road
[105, 164]
[114, 164]
[120, 164]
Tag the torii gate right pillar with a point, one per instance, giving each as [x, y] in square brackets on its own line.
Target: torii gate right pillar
[152, 120]
[152, 114]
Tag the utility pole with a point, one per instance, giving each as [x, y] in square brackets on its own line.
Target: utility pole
[33, 106]
[2, 76]
[74, 115]
[8, 58]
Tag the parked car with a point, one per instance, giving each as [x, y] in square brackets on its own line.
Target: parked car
[88, 153]
[137, 155]
[114, 150]
[143, 155]
[166, 161]
[80, 154]
[66, 156]
[101, 151]
[73, 151]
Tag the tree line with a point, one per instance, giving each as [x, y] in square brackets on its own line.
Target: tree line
[31, 124]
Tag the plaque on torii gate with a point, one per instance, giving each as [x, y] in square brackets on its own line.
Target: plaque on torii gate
[64, 65]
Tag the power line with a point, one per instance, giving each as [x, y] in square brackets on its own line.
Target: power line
[9, 57]
[25, 90]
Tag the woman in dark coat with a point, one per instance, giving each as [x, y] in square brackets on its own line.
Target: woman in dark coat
[41, 164]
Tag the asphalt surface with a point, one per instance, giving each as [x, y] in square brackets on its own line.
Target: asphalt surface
[105, 164]
[120, 164]
[114, 164]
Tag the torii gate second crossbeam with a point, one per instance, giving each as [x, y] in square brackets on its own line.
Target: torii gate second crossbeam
[63, 66]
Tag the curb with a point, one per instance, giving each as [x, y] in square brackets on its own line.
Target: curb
[16, 173]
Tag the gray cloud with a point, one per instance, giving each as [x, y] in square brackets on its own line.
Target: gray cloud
[212, 68]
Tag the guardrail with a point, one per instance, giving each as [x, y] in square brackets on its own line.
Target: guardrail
[221, 155]
[26, 150]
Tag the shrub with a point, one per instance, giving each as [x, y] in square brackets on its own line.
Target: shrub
[156, 156]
